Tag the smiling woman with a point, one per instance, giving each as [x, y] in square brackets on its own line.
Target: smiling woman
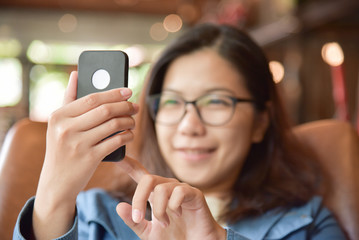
[207, 156]
[217, 157]
[251, 163]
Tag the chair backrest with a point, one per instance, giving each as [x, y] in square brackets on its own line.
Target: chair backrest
[21, 160]
[336, 143]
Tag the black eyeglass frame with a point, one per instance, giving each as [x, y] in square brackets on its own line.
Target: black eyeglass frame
[235, 100]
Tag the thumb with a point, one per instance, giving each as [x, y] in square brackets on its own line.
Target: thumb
[71, 90]
[124, 210]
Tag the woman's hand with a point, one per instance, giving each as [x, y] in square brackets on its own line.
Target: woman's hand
[75, 146]
[179, 211]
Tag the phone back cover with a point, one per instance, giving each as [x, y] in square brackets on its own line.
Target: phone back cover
[116, 64]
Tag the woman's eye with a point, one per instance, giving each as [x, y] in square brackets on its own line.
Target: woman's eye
[217, 102]
[169, 102]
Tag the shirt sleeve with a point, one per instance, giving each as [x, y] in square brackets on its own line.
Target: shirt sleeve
[23, 227]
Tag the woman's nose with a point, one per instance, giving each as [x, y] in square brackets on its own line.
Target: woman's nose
[191, 123]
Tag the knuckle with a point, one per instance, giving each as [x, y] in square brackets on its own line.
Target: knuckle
[76, 146]
[180, 189]
[173, 180]
[126, 123]
[54, 117]
[104, 111]
[122, 123]
[132, 122]
[173, 206]
[119, 141]
[159, 212]
[130, 134]
[148, 179]
[161, 188]
[127, 135]
[197, 192]
[63, 133]
[114, 124]
[90, 100]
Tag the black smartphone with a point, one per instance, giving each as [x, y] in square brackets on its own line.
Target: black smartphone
[101, 71]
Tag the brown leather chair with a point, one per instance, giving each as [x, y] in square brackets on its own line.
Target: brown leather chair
[337, 146]
[23, 151]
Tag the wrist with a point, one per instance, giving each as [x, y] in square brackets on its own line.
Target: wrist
[52, 220]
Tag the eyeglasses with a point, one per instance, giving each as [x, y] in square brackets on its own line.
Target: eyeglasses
[213, 109]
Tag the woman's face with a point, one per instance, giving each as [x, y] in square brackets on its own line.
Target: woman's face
[208, 157]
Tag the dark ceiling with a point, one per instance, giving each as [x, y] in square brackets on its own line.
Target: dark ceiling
[134, 6]
[308, 15]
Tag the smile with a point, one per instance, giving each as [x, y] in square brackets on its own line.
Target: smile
[197, 151]
[196, 154]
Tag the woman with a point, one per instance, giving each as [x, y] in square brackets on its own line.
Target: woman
[212, 129]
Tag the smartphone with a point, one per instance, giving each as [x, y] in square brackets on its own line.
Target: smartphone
[100, 71]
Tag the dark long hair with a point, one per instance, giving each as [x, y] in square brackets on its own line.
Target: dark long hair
[278, 172]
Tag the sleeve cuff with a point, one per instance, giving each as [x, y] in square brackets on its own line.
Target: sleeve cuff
[23, 227]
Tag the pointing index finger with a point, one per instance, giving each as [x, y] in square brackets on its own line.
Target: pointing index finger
[133, 168]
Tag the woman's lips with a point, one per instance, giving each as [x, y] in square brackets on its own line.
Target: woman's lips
[195, 154]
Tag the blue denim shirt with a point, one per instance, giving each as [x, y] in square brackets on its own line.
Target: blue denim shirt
[97, 219]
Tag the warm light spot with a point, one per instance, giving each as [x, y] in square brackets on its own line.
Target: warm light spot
[10, 81]
[157, 32]
[333, 54]
[37, 71]
[47, 94]
[10, 48]
[38, 52]
[67, 23]
[172, 23]
[136, 55]
[277, 70]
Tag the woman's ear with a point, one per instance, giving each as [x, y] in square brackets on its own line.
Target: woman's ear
[260, 126]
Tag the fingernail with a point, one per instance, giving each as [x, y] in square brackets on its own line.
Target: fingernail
[125, 92]
[136, 215]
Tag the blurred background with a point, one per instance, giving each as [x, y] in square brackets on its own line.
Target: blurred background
[312, 45]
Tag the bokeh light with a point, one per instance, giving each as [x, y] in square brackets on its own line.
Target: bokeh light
[38, 52]
[277, 70]
[136, 55]
[10, 48]
[67, 23]
[10, 81]
[332, 54]
[172, 23]
[158, 32]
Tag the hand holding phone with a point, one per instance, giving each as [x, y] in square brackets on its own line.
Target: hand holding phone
[101, 71]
